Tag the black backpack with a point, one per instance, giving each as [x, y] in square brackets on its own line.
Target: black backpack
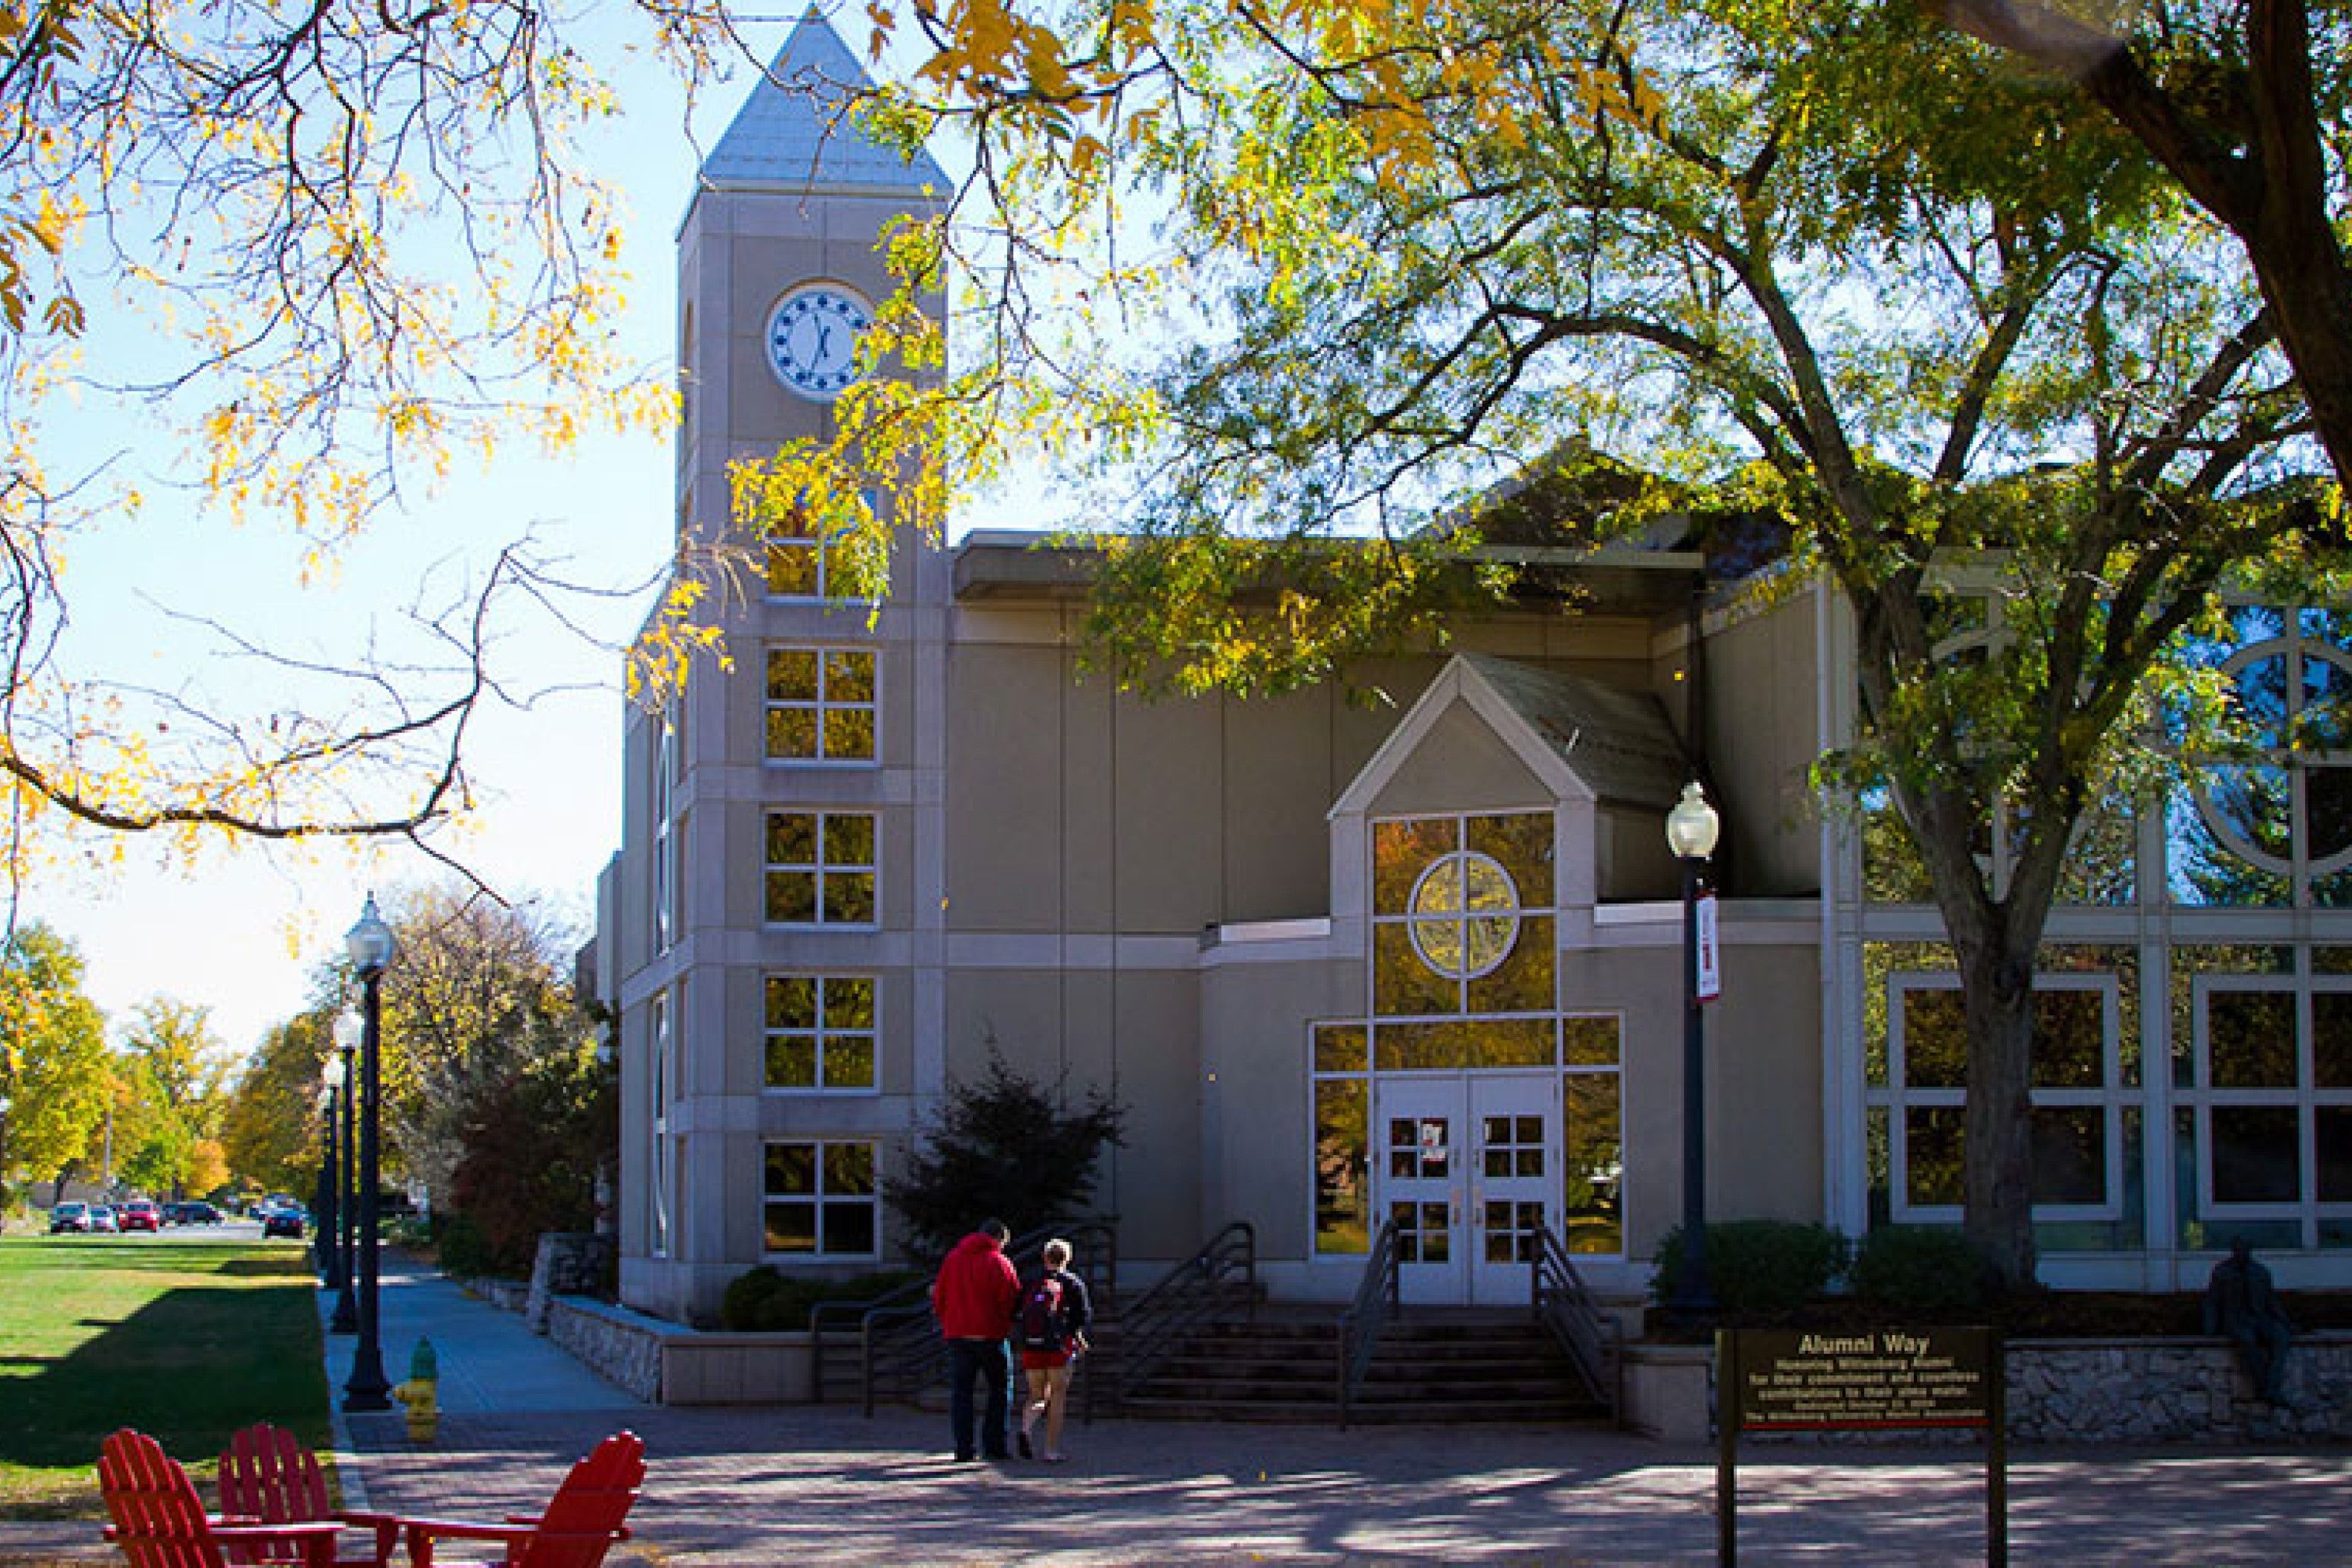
[1040, 1327]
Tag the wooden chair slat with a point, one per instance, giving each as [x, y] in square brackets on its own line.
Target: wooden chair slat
[587, 1515]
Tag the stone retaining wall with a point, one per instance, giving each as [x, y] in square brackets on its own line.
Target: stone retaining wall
[623, 1347]
[2172, 1391]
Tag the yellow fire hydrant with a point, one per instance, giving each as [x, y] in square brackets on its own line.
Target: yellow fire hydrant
[421, 1394]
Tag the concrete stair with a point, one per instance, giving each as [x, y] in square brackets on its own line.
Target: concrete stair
[1449, 1367]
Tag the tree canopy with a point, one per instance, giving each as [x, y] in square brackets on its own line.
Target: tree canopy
[53, 1056]
[328, 256]
[1342, 272]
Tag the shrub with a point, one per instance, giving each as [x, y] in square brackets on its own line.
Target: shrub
[764, 1300]
[1918, 1269]
[1004, 1145]
[1757, 1266]
[463, 1250]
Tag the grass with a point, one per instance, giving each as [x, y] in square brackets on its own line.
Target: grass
[186, 1340]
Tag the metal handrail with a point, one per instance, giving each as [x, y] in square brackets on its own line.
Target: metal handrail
[1376, 1299]
[1198, 1291]
[1588, 1335]
[899, 1350]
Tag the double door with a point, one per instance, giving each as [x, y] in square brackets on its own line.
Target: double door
[1468, 1167]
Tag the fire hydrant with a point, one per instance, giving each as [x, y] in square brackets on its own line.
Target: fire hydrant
[421, 1394]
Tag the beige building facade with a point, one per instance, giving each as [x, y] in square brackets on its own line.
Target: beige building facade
[1414, 962]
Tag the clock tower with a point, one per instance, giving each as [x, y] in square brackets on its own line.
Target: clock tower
[777, 910]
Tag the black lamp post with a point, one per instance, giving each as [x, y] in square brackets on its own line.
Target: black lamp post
[329, 1229]
[372, 949]
[1691, 830]
[346, 1319]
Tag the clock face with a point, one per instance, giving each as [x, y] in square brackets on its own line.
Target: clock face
[812, 339]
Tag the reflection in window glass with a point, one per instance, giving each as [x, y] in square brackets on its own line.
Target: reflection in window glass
[2331, 1039]
[821, 706]
[2070, 1154]
[1932, 1168]
[1592, 1165]
[1935, 1038]
[820, 1032]
[819, 867]
[2250, 1039]
[821, 1200]
[1341, 1047]
[2332, 1129]
[1521, 844]
[1343, 1196]
[2255, 1155]
[2069, 1039]
[1589, 1042]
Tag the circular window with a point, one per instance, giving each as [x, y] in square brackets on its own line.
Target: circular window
[2297, 714]
[1465, 915]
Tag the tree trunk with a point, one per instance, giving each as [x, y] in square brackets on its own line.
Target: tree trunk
[1996, 1001]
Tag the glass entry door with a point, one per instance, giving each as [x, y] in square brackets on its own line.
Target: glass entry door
[1466, 1167]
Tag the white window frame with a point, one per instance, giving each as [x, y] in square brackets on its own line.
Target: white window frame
[823, 705]
[662, 1056]
[2110, 1099]
[873, 1199]
[821, 869]
[871, 1035]
[2304, 1097]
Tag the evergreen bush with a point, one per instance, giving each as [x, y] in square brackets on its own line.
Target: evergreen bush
[1757, 1266]
[1918, 1269]
[763, 1300]
[1005, 1146]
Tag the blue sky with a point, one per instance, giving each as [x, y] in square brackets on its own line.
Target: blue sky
[243, 931]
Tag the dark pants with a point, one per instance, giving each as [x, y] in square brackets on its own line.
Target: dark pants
[992, 1362]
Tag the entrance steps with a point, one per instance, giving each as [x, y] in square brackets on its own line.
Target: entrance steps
[1444, 1366]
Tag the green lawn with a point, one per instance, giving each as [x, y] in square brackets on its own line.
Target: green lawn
[186, 1339]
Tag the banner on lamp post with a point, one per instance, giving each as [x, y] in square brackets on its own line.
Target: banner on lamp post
[1708, 985]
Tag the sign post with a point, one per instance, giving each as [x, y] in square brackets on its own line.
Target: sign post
[1789, 1380]
[1708, 980]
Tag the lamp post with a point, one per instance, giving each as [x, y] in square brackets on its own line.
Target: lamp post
[1691, 830]
[331, 1276]
[346, 1319]
[371, 948]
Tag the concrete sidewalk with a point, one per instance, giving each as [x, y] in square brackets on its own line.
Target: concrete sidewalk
[819, 1486]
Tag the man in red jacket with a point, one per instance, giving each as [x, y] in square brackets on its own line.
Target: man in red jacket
[974, 1298]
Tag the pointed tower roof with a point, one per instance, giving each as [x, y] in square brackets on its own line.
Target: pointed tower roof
[796, 131]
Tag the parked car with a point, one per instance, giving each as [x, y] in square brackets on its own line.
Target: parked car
[192, 1212]
[101, 1218]
[140, 1213]
[284, 1221]
[70, 1217]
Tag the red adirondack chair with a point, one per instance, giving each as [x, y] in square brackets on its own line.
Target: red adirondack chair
[159, 1521]
[267, 1477]
[588, 1514]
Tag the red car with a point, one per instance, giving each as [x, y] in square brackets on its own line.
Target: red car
[139, 1215]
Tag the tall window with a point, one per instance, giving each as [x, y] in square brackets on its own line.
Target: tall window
[821, 1032]
[664, 837]
[821, 1200]
[821, 869]
[659, 1161]
[821, 705]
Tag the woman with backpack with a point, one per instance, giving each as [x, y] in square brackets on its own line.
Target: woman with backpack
[1052, 1330]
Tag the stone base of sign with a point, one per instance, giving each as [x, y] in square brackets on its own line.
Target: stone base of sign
[1669, 1392]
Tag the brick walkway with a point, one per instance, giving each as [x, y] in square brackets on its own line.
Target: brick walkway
[816, 1487]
